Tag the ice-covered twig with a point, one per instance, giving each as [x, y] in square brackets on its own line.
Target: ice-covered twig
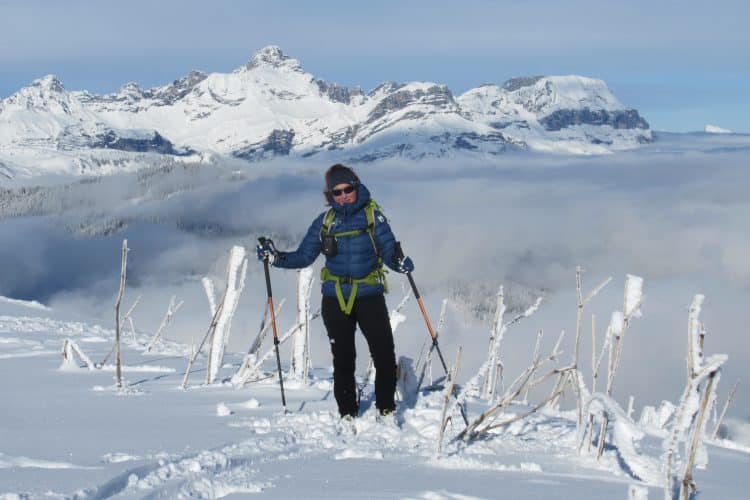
[71, 349]
[210, 330]
[428, 348]
[724, 410]
[579, 316]
[695, 350]
[699, 430]
[617, 327]
[122, 324]
[624, 435]
[236, 272]
[171, 310]
[494, 370]
[129, 317]
[208, 287]
[299, 363]
[684, 416]
[528, 312]
[123, 273]
[581, 305]
[251, 371]
[265, 327]
[447, 395]
[598, 362]
[596, 290]
[480, 425]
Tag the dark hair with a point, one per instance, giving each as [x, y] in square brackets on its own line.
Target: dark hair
[338, 174]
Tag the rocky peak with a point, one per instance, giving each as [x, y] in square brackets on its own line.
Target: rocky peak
[272, 56]
[178, 89]
[44, 93]
[338, 93]
[519, 82]
[386, 88]
[50, 83]
[130, 88]
[437, 97]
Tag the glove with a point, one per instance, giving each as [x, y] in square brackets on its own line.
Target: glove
[405, 265]
[266, 250]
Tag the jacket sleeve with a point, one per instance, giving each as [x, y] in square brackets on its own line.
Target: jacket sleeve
[385, 240]
[308, 249]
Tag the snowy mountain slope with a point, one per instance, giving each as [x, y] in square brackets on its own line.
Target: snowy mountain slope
[272, 107]
[559, 113]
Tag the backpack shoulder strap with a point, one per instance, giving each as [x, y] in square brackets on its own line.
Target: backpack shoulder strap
[327, 220]
[370, 208]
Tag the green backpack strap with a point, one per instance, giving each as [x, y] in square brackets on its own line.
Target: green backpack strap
[370, 208]
[372, 205]
[327, 220]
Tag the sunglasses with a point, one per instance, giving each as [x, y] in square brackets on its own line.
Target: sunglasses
[339, 192]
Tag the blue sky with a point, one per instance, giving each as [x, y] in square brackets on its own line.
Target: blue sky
[682, 64]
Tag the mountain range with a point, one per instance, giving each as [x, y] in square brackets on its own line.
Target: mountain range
[270, 107]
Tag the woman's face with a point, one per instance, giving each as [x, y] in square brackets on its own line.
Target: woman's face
[344, 194]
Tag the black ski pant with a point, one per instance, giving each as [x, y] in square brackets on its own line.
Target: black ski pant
[371, 314]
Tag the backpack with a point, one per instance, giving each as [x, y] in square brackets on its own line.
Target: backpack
[375, 277]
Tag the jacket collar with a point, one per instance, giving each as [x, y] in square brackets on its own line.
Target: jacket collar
[363, 197]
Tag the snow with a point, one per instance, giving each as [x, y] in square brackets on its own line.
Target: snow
[714, 129]
[223, 410]
[166, 444]
[32, 304]
[633, 296]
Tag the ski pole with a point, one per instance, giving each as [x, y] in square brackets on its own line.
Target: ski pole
[399, 254]
[262, 241]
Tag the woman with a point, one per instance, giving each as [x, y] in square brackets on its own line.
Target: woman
[356, 240]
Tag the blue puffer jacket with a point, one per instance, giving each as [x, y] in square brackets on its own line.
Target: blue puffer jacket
[355, 256]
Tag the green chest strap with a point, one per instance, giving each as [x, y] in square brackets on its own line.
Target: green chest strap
[375, 277]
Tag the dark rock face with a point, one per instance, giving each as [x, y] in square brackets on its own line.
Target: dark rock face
[147, 141]
[518, 124]
[342, 137]
[154, 143]
[338, 93]
[178, 89]
[387, 152]
[524, 81]
[471, 141]
[278, 143]
[386, 87]
[562, 118]
[438, 96]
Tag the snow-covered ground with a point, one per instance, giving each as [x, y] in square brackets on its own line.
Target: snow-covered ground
[67, 432]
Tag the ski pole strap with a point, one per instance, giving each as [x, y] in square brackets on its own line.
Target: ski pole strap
[376, 277]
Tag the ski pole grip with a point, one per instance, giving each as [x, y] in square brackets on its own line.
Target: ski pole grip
[262, 242]
[398, 252]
